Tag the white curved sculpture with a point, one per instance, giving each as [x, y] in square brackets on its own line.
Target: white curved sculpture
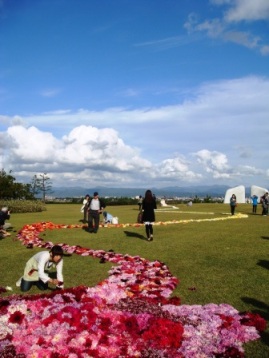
[163, 203]
[239, 192]
[257, 190]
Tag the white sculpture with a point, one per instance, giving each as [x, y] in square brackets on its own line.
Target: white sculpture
[163, 204]
[257, 190]
[239, 192]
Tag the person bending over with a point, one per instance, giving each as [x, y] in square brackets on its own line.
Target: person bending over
[35, 272]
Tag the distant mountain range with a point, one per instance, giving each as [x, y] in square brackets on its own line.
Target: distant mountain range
[168, 192]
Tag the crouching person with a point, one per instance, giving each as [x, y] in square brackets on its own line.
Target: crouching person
[107, 217]
[35, 272]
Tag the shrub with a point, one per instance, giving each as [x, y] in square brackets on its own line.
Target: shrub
[23, 206]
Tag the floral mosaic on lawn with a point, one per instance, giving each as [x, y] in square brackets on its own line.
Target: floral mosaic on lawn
[130, 314]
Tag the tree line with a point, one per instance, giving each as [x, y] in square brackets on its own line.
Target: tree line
[10, 189]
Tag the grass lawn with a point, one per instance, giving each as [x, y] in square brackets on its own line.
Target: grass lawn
[216, 261]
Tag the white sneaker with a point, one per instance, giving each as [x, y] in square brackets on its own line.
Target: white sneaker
[18, 283]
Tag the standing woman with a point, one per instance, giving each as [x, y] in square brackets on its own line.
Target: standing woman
[85, 207]
[148, 216]
[233, 203]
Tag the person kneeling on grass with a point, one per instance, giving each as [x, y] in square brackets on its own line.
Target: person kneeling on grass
[35, 272]
[107, 217]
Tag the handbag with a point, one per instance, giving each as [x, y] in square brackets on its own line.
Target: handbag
[139, 217]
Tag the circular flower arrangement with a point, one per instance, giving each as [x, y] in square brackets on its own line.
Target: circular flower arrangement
[130, 314]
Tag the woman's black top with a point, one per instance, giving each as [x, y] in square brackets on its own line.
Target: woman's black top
[148, 210]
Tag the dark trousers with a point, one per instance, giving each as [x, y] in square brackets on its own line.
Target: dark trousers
[149, 230]
[85, 212]
[232, 209]
[26, 285]
[264, 209]
[94, 218]
[254, 209]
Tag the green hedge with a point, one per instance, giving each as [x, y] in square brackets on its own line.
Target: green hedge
[23, 206]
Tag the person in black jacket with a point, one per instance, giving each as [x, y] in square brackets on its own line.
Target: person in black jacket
[96, 207]
[4, 215]
[264, 201]
[148, 215]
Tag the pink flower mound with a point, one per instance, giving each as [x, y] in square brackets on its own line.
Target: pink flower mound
[130, 314]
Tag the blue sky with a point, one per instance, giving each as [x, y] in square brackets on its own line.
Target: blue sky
[138, 93]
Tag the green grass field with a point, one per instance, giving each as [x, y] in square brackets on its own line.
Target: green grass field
[224, 261]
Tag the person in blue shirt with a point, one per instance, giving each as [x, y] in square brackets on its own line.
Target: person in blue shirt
[254, 199]
[107, 217]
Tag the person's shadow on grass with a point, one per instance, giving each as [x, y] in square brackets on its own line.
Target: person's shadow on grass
[263, 310]
[264, 264]
[134, 234]
[265, 237]
[85, 228]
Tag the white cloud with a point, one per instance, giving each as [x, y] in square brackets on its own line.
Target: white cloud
[213, 28]
[249, 170]
[224, 27]
[176, 169]
[93, 153]
[242, 38]
[218, 133]
[30, 145]
[248, 10]
[212, 161]
[99, 148]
